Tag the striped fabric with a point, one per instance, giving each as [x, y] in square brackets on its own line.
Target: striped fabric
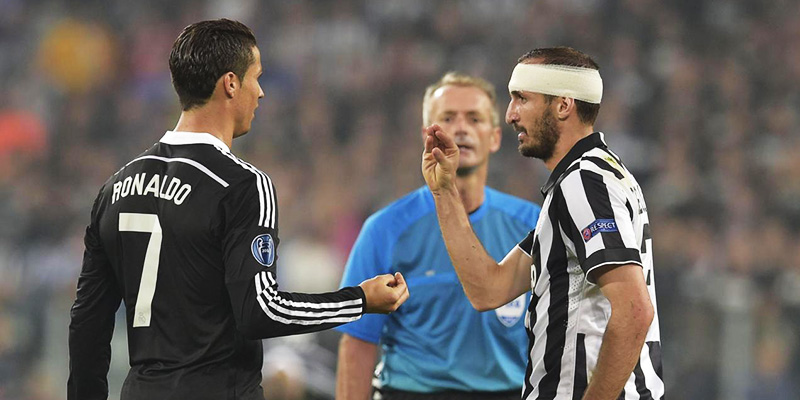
[302, 313]
[266, 192]
[594, 214]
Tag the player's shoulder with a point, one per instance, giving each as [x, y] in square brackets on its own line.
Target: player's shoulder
[238, 170]
[596, 164]
[403, 211]
[512, 205]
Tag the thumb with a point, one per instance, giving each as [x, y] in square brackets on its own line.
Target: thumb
[401, 281]
[438, 154]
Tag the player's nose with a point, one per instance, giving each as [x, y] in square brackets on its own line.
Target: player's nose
[511, 113]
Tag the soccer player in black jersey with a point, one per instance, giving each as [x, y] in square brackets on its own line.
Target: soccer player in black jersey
[186, 234]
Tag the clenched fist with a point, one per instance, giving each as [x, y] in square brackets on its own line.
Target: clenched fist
[384, 293]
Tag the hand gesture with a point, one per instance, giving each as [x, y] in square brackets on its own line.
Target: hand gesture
[384, 293]
[440, 159]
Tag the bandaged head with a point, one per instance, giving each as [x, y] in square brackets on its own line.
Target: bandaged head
[578, 83]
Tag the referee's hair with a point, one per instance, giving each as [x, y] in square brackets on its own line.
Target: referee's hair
[205, 51]
[456, 78]
[563, 55]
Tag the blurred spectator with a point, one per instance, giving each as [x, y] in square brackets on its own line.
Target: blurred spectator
[705, 108]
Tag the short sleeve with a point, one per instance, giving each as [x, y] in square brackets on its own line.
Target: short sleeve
[595, 210]
[526, 245]
[368, 258]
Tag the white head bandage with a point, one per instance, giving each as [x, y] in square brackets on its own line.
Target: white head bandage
[578, 83]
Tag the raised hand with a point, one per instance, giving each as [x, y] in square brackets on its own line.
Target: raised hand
[440, 159]
[384, 293]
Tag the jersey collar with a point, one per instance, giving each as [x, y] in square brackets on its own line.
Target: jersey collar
[596, 139]
[180, 137]
[474, 216]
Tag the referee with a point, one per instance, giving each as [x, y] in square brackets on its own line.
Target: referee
[592, 321]
[186, 235]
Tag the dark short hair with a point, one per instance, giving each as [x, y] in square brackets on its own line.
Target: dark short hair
[205, 51]
[563, 55]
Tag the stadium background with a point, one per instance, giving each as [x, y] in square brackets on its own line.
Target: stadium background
[702, 101]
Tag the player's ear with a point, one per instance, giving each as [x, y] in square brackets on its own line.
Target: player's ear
[564, 107]
[230, 84]
[497, 136]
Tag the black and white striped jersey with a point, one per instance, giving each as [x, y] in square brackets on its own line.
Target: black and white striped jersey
[186, 235]
[593, 214]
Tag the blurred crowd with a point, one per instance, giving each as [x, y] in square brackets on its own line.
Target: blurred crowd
[702, 102]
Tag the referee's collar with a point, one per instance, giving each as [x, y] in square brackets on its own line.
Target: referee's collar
[181, 137]
[596, 139]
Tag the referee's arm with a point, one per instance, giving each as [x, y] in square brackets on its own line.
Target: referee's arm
[486, 283]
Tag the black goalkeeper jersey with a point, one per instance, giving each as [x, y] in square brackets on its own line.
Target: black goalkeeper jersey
[186, 235]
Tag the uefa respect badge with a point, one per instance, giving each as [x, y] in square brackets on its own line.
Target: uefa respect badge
[263, 248]
[599, 225]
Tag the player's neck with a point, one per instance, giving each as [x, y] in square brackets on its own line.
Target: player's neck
[205, 120]
[471, 188]
[565, 143]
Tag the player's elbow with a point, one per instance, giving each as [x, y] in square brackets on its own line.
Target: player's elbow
[642, 314]
[253, 329]
[484, 303]
[481, 307]
[249, 331]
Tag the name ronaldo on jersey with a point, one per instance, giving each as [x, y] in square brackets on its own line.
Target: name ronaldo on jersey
[159, 186]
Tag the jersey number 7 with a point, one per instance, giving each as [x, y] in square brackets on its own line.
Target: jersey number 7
[147, 223]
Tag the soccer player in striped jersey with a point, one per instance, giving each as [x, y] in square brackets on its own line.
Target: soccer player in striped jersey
[592, 322]
[186, 235]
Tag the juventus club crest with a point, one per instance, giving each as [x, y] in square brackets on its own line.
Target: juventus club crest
[263, 248]
[510, 313]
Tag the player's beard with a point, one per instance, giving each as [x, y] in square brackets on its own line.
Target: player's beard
[545, 134]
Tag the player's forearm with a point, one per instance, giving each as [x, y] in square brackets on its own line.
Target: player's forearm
[261, 311]
[90, 334]
[620, 351]
[90, 330]
[483, 280]
[354, 368]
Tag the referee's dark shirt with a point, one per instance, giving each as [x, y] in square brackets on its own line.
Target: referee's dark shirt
[593, 215]
[186, 235]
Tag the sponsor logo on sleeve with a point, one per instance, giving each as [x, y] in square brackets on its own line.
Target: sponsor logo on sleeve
[263, 248]
[599, 225]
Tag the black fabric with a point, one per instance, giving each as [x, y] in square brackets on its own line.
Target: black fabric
[206, 307]
[576, 152]
[527, 244]
[581, 379]
[641, 385]
[557, 313]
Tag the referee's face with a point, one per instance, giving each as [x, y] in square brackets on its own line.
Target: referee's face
[466, 112]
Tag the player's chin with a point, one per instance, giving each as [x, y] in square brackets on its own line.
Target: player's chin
[242, 132]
